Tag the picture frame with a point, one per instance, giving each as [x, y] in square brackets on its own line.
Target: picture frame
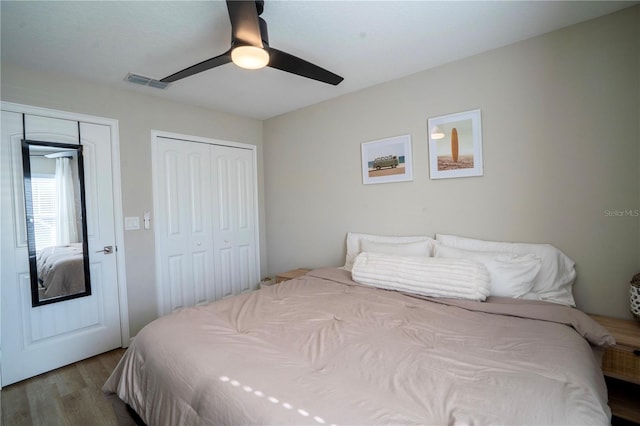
[455, 145]
[387, 160]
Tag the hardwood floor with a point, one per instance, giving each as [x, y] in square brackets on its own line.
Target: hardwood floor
[70, 395]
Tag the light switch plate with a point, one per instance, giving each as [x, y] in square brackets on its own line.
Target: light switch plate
[131, 223]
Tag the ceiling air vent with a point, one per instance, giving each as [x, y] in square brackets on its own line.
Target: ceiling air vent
[145, 81]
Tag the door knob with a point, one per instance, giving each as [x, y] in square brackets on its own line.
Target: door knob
[106, 250]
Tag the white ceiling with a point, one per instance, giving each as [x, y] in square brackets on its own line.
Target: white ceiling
[366, 42]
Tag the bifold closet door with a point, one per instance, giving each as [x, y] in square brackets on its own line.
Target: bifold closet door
[205, 232]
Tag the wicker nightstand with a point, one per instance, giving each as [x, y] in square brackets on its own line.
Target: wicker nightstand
[621, 366]
[289, 275]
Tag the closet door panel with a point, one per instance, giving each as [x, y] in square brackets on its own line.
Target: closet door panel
[184, 247]
[234, 224]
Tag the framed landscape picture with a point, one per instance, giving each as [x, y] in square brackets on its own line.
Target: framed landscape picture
[455, 145]
[387, 160]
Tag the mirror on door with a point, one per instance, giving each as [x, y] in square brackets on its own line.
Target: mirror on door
[56, 221]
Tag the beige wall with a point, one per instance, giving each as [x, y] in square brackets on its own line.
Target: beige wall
[137, 114]
[561, 149]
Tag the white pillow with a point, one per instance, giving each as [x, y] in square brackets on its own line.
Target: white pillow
[354, 245]
[426, 276]
[512, 275]
[419, 248]
[557, 273]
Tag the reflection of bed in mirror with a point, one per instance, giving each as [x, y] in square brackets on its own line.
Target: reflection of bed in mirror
[60, 270]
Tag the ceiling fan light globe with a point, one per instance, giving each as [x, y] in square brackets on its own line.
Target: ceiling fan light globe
[250, 57]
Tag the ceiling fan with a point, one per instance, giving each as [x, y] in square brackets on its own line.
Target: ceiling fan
[250, 48]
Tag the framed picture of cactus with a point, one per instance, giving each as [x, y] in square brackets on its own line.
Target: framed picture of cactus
[387, 160]
[455, 145]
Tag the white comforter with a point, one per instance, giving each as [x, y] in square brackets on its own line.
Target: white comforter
[323, 350]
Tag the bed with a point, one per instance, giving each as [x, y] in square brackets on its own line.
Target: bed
[61, 270]
[325, 349]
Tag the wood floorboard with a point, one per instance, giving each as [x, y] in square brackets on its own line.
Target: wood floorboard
[70, 396]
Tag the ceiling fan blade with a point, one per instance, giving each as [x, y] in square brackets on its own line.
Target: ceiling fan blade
[244, 22]
[289, 63]
[225, 58]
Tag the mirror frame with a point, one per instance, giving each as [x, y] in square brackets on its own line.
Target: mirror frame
[31, 240]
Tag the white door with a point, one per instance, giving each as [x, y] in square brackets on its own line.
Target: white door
[206, 232]
[184, 229]
[42, 338]
[235, 242]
